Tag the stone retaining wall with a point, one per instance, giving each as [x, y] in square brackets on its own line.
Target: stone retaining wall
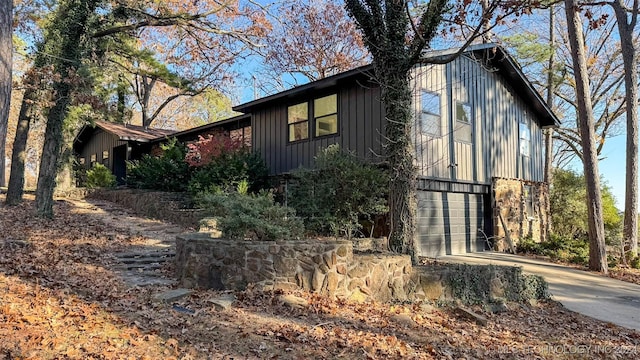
[332, 269]
[167, 206]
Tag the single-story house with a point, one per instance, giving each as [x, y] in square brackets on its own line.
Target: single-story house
[113, 144]
[478, 137]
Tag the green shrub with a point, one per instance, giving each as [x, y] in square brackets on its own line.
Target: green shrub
[228, 170]
[99, 177]
[167, 172]
[251, 216]
[528, 246]
[341, 191]
[635, 262]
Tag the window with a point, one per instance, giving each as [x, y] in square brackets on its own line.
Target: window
[463, 129]
[325, 115]
[528, 200]
[94, 158]
[525, 140]
[430, 113]
[81, 161]
[298, 120]
[105, 157]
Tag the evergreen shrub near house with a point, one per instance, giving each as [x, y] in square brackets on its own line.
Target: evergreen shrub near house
[167, 172]
[220, 162]
[99, 177]
[341, 191]
[241, 215]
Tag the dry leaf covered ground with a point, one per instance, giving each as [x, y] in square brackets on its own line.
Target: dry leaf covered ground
[60, 298]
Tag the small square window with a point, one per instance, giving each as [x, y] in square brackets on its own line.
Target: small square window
[94, 158]
[105, 155]
[81, 161]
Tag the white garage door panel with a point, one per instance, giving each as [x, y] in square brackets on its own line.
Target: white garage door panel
[448, 223]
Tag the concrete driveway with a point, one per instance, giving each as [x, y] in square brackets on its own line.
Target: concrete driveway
[587, 293]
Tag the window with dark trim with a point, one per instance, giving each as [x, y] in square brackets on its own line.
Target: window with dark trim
[528, 200]
[298, 121]
[430, 122]
[525, 140]
[81, 161]
[463, 129]
[325, 115]
[94, 158]
[105, 157]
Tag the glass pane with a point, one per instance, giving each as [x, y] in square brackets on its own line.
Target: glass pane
[430, 124]
[325, 106]
[299, 131]
[462, 132]
[463, 112]
[525, 146]
[430, 103]
[105, 154]
[327, 125]
[525, 133]
[297, 113]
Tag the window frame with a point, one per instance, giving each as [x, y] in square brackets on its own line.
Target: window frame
[291, 125]
[524, 139]
[468, 122]
[312, 119]
[327, 115]
[426, 112]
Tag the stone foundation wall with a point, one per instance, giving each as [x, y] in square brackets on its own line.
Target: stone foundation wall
[510, 200]
[330, 268]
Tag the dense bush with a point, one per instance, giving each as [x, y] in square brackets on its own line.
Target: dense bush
[167, 172]
[99, 177]
[341, 191]
[573, 250]
[222, 163]
[241, 215]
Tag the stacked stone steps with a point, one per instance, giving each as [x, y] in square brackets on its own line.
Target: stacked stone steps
[141, 268]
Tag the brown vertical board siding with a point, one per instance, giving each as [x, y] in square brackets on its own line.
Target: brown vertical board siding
[99, 142]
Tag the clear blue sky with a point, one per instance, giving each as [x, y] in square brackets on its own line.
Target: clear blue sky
[612, 167]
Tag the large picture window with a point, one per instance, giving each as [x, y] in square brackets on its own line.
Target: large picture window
[325, 115]
[430, 123]
[298, 120]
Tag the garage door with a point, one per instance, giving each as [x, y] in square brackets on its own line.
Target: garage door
[448, 223]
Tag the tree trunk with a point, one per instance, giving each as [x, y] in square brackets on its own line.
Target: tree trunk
[6, 64]
[597, 250]
[396, 96]
[49, 163]
[629, 58]
[19, 155]
[548, 133]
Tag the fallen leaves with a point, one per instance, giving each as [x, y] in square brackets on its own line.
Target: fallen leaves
[61, 298]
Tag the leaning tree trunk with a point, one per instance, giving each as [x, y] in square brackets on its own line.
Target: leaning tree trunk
[19, 154]
[629, 58]
[396, 96]
[6, 63]
[597, 250]
[49, 163]
[71, 23]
